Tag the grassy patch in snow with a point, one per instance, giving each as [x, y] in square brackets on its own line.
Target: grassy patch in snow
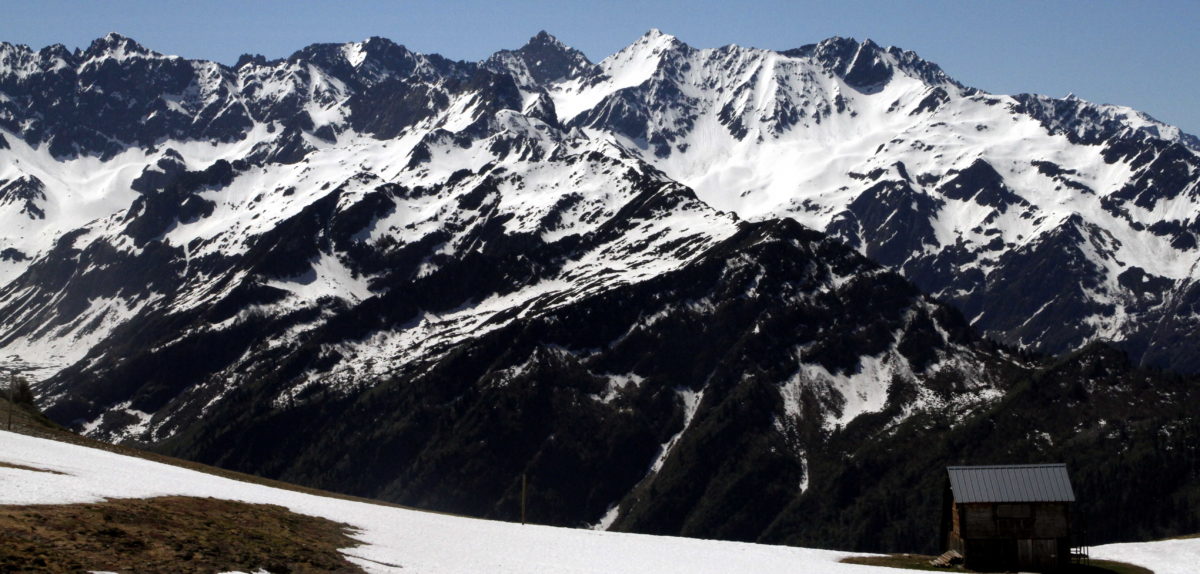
[906, 561]
[170, 534]
[23, 467]
[921, 562]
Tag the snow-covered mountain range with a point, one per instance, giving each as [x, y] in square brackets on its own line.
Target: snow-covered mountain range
[456, 273]
[1048, 222]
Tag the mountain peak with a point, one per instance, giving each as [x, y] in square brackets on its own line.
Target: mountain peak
[543, 59]
[116, 40]
[544, 38]
[255, 59]
[544, 42]
[657, 37]
[113, 38]
[863, 65]
[866, 65]
[650, 46]
[55, 51]
[117, 45]
[837, 43]
[869, 69]
[376, 48]
[379, 44]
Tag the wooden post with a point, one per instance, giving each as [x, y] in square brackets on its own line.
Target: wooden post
[524, 490]
[12, 381]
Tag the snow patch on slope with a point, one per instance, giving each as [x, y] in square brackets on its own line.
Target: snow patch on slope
[691, 402]
[328, 278]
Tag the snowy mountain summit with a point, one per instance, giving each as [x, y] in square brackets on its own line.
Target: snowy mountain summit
[542, 61]
[540, 264]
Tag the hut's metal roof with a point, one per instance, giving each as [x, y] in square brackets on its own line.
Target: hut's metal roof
[1011, 483]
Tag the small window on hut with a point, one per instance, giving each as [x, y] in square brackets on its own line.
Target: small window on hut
[1014, 511]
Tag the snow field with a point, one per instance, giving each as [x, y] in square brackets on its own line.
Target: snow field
[412, 541]
[1163, 556]
[400, 540]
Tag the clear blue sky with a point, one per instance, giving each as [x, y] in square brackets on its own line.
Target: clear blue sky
[1142, 54]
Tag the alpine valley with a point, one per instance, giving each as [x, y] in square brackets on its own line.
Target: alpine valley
[727, 293]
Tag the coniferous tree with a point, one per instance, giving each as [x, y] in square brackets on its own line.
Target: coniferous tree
[21, 393]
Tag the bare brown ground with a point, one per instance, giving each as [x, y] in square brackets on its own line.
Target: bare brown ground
[169, 534]
[23, 467]
[920, 562]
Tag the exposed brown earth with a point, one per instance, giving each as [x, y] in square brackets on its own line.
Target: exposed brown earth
[921, 562]
[169, 534]
[23, 467]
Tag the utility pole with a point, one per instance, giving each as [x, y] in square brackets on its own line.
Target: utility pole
[523, 491]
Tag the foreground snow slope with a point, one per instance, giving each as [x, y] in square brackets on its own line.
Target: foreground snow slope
[395, 539]
[1163, 557]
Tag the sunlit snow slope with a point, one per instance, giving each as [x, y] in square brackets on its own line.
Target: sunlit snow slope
[413, 541]
[427, 543]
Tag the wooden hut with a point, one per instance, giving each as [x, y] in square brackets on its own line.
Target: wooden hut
[1009, 517]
